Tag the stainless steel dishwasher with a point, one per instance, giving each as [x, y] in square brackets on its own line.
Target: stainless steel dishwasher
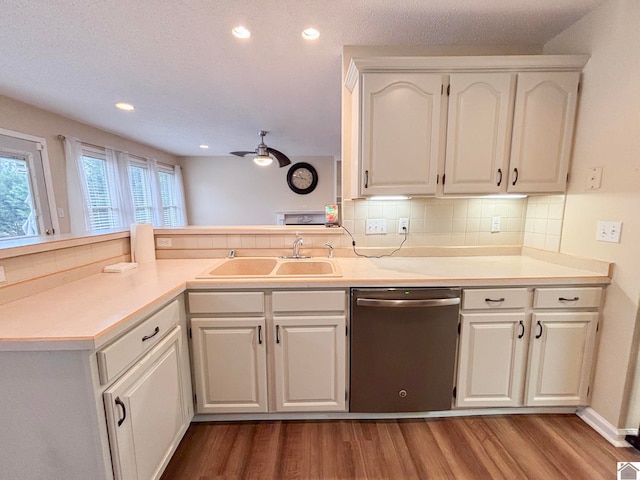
[403, 348]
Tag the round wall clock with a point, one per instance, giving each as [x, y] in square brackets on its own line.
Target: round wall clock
[302, 178]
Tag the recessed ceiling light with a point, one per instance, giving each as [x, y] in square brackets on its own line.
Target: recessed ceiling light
[203, 146]
[125, 106]
[241, 32]
[310, 34]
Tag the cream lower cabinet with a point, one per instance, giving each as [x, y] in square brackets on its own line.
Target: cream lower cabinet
[492, 360]
[562, 348]
[310, 363]
[506, 360]
[147, 412]
[248, 358]
[230, 364]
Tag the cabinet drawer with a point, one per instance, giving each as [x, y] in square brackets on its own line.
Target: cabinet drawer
[494, 298]
[226, 302]
[581, 297]
[314, 301]
[113, 359]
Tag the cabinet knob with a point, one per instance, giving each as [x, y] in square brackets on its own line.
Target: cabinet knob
[521, 329]
[366, 179]
[124, 410]
[499, 177]
[539, 330]
[515, 180]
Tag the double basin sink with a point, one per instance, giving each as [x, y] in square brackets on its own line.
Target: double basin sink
[273, 267]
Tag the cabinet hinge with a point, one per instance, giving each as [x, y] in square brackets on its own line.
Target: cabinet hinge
[195, 399]
[190, 333]
[346, 330]
[597, 327]
[588, 390]
[444, 175]
[579, 87]
[567, 177]
[449, 89]
[455, 392]
[437, 178]
[459, 327]
[441, 89]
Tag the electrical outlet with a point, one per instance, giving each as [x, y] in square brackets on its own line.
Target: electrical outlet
[403, 225]
[495, 224]
[609, 232]
[163, 242]
[3, 276]
[376, 226]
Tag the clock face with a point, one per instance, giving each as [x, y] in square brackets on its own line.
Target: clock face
[302, 178]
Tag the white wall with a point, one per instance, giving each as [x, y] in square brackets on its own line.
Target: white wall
[608, 135]
[235, 191]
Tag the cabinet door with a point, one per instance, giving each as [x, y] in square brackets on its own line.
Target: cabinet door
[401, 133]
[479, 132]
[560, 358]
[230, 367]
[543, 126]
[492, 360]
[310, 363]
[147, 413]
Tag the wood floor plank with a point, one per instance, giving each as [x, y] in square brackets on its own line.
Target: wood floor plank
[531, 447]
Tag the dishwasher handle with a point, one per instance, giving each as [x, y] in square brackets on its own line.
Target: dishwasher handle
[430, 302]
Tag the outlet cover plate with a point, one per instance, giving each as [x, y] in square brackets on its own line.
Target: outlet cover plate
[403, 222]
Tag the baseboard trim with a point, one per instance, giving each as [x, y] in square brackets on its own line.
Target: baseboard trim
[234, 417]
[615, 436]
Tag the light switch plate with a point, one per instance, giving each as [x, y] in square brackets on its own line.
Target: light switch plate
[609, 232]
[376, 226]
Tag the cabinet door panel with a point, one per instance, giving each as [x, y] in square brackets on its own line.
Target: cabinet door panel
[492, 357]
[146, 412]
[561, 357]
[310, 363]
[543, 125]
[230, 364]
[401, 133]
[479, 132]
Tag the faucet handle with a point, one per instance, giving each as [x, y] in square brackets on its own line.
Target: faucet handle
[330, 249]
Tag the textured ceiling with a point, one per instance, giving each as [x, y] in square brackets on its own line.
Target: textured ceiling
[193, 83]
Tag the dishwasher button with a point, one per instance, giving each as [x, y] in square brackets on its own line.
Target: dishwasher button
[402, 393]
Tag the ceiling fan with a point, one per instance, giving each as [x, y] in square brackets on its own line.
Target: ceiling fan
[264, 153]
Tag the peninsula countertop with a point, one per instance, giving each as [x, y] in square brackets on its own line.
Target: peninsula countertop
[89, 313]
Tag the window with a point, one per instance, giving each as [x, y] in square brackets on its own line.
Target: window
[102, 212]
[25, 201]
[141, 192]
[169, 195]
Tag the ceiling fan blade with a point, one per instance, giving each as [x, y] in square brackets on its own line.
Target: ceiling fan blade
[282, 159]
[242, 153]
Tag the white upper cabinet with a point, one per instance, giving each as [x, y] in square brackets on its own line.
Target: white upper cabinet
[543, 124]
[479, 132]
[505, 127]
[401, 133]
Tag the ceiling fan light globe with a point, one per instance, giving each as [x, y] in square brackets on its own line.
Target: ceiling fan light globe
[263, 160]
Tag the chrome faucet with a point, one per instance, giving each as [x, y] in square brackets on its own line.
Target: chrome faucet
[330, 249]
[297, 243]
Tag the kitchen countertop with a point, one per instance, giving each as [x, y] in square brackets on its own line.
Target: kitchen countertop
[89, 313]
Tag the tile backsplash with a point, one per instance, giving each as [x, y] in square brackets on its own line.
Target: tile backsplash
[543, 224]
[439, 222]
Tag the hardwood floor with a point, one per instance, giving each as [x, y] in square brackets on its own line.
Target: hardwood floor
[544, 447]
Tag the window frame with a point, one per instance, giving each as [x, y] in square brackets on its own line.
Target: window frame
[168, 169]
[49, 196]
[98, 153]
[142, 163]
